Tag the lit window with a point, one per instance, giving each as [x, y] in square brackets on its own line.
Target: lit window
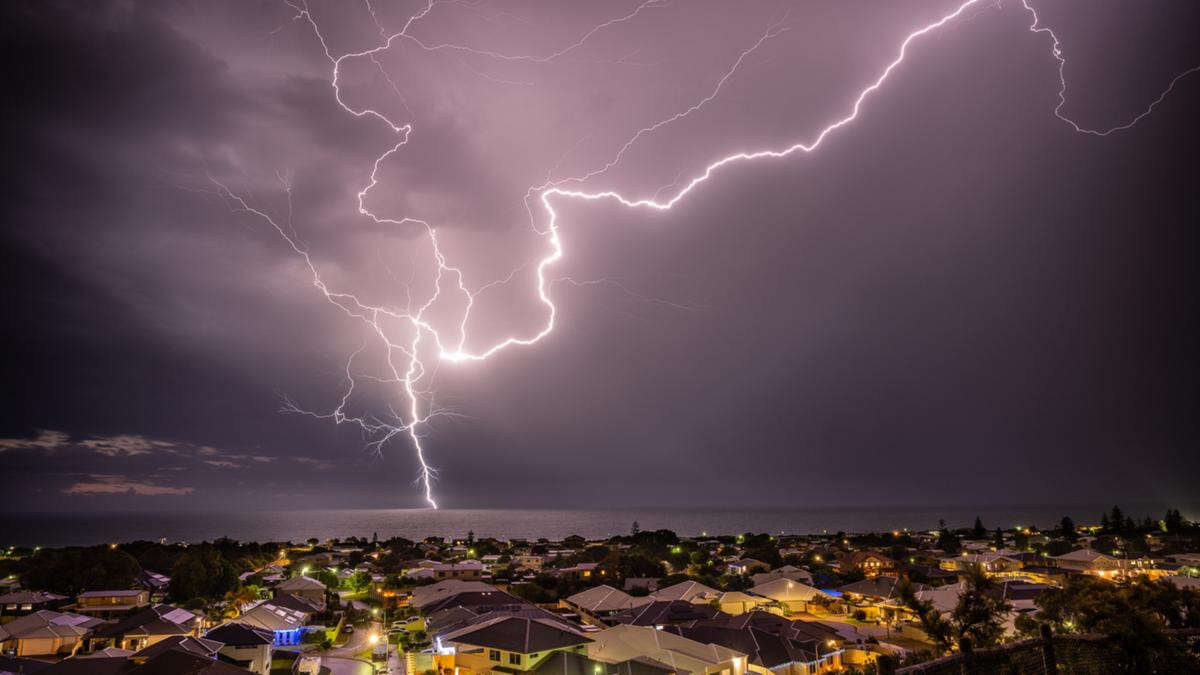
[494, 654]
[514, 659]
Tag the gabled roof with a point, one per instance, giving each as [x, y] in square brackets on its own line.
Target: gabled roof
[273, 617]
[427, 595]
[786, 590]
[879, 587]
[185, 643]
[111, 594]
[237, 634]
[30, 598]
[662, 612]
[517, 634]
[776, 625]
[624, 642]
[297, 603]
[48, 624]
[301, 583]
[687, 590]
[570, 663]
[1083, 555]
[603, 599]
[153, 620]
[761, 648]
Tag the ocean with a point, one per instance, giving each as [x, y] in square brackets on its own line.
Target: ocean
[101, 527]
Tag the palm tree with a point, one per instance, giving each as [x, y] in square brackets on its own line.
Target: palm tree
[235, 599]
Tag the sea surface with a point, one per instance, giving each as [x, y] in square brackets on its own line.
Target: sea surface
[100, 527]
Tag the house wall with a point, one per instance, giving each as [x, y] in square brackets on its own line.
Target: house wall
[482, 660]
[257, 659]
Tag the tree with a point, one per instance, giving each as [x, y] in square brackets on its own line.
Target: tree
[979, 531]
[238, 598]
[1116, 520]
[998, 538]
[981, 609]
[1066, 527]
[202, 572]
[635, 529]
[72, 570]
[948, 542]
[978, 616]
[1173, 523]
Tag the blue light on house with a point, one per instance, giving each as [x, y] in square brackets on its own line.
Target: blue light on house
[287, 637]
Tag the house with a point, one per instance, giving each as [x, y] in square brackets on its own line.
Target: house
[571, 663]
[286, 625]
[870, 563]
[767, 653]
[509, 643]
[579, 571]
[185, 643]
[111, 603]
[623, 643]
[688, 591]
[20, 603]
[1088, 561]
[663, 612]
[478, 601]
[305, 587]
[424, 596]
[992, 561]
[297, 603]
[786, 572]
[878, 597]
[145, 628]
[599, 602]
[736, 602]
[245, 646]
[748, 566]
[181, 658]
[153, 581]
[469, 570]
[529, 562]
[45, 633]
[792, 596]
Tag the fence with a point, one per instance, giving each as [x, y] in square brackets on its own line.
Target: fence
[1049, 654]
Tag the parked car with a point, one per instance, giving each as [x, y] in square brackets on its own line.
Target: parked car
[347, 629]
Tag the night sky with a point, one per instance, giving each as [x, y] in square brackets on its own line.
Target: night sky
[955, 299]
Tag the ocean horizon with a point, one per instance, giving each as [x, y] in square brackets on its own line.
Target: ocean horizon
[101, 527]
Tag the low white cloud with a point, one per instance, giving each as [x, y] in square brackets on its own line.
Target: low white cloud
[126, 445]
[105, 484]
[46, 439]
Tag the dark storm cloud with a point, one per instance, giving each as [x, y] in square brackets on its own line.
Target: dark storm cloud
[956, 299]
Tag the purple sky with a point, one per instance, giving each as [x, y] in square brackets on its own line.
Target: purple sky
[955, 299]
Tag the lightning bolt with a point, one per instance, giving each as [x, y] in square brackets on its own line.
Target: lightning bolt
[404, 364]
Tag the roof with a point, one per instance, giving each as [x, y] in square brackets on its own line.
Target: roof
[856, 558]
[1086, 555]
[879, 587]
[297, 603]
[690, 591]
[237, 634]
[186, 643]
[29, 598]
[623, 642]
[110, 594]
[776, 625]
[427, 595]
[761, 648]
[786, 590]
[603, 599]
[665, 611]
[48, 624]
[273, 617]
[153, 620]
[301, 583]
[517, 634]
[570, 663]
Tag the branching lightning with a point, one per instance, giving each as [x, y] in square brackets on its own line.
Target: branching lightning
[404, 365]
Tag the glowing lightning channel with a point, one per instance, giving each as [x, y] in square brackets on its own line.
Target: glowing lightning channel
[411, 372]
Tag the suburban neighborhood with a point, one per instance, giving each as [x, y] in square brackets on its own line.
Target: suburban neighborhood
[646, 603]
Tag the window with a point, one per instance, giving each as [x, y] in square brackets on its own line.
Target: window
[514, 659]
[494, 654]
